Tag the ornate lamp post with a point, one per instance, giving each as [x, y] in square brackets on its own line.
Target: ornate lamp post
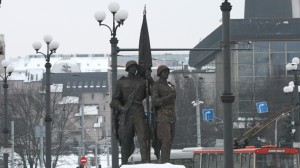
[292, 68]
[227, 97]
[51, 48]
[119, 16]
[8, 69]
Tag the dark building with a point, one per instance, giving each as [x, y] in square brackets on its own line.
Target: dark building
[262, 44]
[75, 84]
[268, 9]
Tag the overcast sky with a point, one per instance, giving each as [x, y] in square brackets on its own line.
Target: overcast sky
[171, 23]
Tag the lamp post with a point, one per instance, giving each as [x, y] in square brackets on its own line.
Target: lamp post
[292, 68]
[119, 16]
[197, 104]
[227, 97]
[276, 129]
[8, 69]
[51, 48]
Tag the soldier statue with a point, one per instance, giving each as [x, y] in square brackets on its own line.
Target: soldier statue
[127, 101]
[163, 98]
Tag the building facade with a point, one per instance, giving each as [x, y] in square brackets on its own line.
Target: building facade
[262, 44]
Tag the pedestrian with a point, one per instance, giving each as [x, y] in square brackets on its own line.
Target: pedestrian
[163, 98]
[127, 101]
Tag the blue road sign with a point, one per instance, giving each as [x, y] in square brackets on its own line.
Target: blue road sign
[208, 114]
[262, 107]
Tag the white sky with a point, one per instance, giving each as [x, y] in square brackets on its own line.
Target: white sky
[171, 23]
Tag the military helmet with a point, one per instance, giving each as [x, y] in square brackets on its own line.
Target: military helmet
[131, 62]
[161, 68]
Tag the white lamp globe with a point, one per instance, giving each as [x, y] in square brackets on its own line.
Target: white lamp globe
[113, 7]
[290, 88]
[285, 89]
[5, 63]
[48, 38]
[295, 60]
[122, 15]
[10, 69]
[37, 45]
[288, 66]
[291, 83]
[294, 66]
[53, 45]
[100, 16]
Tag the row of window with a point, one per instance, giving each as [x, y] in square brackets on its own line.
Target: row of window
[86, 84]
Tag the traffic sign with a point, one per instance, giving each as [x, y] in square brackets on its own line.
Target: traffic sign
[262, 107]
[208, 114]
[83, 160]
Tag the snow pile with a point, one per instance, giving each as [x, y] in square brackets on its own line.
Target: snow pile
[152, 165]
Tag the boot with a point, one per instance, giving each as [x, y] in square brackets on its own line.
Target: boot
[145, 152]
[165, 156]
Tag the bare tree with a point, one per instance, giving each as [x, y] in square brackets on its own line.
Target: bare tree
[27, 107]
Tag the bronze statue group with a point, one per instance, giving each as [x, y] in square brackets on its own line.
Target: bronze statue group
[130, 120]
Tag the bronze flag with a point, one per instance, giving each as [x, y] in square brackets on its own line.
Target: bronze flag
[145, 57]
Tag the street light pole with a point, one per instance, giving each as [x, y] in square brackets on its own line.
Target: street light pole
[119, 16]
[197, 103]
[293, 69]
[8, 69]
[227, 97]
[51, 48]
[276, 129]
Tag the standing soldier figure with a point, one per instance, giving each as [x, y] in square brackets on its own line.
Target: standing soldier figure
[163, 98]
[127, 101]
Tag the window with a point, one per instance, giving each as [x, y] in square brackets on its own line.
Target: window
[80, 84]
[277, 46]
[74, 85]
[261, 46]
[68, 84]
[86, 84]
[98, 84]
[92, 84]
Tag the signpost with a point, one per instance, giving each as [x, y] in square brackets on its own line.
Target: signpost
[262, 107]
[208, 114]
[83, 160]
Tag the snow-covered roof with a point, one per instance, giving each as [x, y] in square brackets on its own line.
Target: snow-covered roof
[88, 110]
[32, 67]
[69, 100]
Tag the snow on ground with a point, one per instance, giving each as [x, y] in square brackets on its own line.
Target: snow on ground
[152, 165]
[72, 162]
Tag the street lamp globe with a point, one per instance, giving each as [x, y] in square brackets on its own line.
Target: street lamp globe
[53, 45]
[37, 45]
[291, 66]
[100, 16]
[113, 7]
[295, 60]
[10, 69]
[288, 89]
[291, 83]
[5, 63]
[48, 38]
[121, 16]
